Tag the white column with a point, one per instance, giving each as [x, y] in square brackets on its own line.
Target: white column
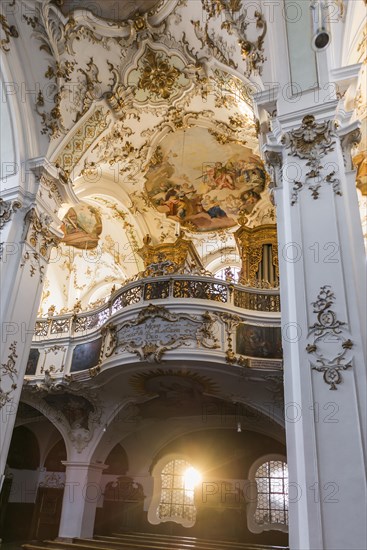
[29, 230]
[81, 495]
[323, 297]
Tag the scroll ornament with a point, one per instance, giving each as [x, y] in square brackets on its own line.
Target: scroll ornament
[327, 332]
[312, 142]
[157, 330]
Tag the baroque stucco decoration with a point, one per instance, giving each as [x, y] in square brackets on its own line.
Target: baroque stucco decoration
[153, 382]
[8, 31]
[157, 330]
[234, 19]
[8, 371]
[158, 76]
[312, 142]
[68, 403]
[326, 331]
[80, 142]
[39, 242]
[7, 208]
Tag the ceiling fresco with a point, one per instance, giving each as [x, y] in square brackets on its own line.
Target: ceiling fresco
[82, 226]
[203, 184]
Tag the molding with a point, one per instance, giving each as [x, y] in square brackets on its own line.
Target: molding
[346, 74]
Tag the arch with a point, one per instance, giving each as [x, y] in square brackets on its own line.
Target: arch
[117, 461]
[268, 504]
[55, 457]
[24, 451]
[222, 258]
[50, 415]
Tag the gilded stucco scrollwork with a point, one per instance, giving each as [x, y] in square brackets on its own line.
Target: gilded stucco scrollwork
[156, 330]
[8, 371]
[312, 141]
[213, 44]
[326, 333]
[231, 322]
[40, 240]
[235, 20]
[80, 142]
[10, 31]
[157, 75]
[39, 235]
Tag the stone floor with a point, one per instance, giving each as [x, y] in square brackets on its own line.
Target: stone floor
[11, 545]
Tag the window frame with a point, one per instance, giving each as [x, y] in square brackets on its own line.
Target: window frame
[153, 509]
[253, 526]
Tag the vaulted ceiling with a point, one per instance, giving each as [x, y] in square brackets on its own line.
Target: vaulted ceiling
[145, 107]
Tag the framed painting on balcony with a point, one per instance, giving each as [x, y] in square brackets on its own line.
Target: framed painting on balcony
[86, 356]
[257, 341]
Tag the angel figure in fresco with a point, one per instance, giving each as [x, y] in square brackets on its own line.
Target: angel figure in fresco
[223, 177]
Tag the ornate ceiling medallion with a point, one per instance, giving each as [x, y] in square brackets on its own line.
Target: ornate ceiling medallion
[158, 77]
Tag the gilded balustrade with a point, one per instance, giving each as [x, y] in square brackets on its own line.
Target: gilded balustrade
[176, 287]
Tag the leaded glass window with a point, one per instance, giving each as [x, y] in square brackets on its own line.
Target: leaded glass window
[272, 493]
[177, 493]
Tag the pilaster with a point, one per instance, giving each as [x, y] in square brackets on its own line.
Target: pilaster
[29, 230]
[323, 296]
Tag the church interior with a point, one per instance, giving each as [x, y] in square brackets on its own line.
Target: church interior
[183, 226]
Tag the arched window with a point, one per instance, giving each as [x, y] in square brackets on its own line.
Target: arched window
[268, 508]
[174, 492]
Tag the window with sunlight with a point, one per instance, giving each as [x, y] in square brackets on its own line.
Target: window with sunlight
[272, 493]
[177, 501]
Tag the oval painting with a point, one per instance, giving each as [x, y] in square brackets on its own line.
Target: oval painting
[203, 184]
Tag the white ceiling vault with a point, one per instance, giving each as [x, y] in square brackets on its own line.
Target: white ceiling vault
[133, 83]
[145, 107]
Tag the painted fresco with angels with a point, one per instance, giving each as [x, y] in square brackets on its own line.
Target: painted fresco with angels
[203, 184]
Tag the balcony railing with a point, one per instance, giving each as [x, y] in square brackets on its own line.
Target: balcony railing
[170, 288]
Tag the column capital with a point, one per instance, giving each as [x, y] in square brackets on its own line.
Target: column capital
[273, 156]
[350, 136]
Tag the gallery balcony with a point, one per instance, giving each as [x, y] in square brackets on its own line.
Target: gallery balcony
[191, 317]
